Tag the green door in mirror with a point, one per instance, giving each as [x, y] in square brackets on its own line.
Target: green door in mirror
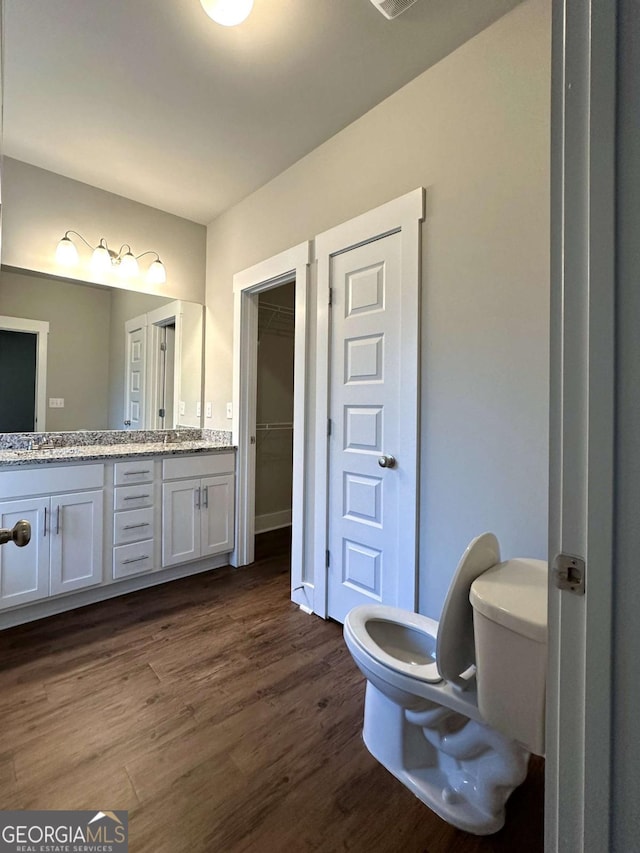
[18, 397]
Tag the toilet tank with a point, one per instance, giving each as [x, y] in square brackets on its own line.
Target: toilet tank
[510, 630]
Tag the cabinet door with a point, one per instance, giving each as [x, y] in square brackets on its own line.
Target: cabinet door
[181, 521]
[76, 541]
[24, 572]
[217, 515]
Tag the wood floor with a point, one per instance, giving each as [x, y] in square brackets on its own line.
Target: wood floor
[223, 718]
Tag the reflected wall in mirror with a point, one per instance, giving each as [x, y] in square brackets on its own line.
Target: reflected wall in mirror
[86, 376]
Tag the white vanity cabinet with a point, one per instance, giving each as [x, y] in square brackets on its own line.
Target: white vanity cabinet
[65, 509]
[197, 507]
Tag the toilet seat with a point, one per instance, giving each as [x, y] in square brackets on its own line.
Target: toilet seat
[358, 622]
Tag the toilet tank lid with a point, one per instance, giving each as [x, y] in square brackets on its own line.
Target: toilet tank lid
[514, 594]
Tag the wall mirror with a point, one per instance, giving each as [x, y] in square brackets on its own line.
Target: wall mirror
[77, 356]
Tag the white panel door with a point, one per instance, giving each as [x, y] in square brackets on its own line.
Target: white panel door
[76, 541]
[217, 515]
[366, 412]
[136, 371]
[181, 521]
[24, 572]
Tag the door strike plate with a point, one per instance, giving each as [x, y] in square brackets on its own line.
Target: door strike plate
[569, 573]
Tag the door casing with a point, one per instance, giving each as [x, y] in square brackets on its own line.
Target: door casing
[293, 264]
[39, 328]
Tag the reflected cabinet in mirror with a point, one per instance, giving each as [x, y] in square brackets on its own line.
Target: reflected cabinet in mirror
[78, 356]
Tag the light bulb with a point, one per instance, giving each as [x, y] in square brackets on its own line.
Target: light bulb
[100, 260]
[66, 253]
[128, 267]
[156, 274]
[227, 12]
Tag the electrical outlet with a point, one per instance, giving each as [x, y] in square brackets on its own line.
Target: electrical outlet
[56, 402]
[208, 410]
[229, 410]
[183, 407]
[198, 409]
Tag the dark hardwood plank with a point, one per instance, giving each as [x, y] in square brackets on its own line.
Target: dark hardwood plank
[222, 718]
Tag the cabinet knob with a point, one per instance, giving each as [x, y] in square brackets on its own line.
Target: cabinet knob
[20, 533]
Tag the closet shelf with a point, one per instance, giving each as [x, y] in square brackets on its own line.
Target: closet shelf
[270, 426]
[275, 320]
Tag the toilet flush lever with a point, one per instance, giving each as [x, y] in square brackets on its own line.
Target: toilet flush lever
[569, 573]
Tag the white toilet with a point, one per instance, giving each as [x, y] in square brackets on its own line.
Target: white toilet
[453, 709]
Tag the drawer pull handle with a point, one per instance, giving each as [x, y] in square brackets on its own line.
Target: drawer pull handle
[206, 497]
[135, 497]
[134, 526]
[133, 473]
[135, 559]
[44, 526]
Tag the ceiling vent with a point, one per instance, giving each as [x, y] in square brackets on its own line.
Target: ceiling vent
[392, 8]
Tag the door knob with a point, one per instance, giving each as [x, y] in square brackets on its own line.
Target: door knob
[387, 461]
[20, 533]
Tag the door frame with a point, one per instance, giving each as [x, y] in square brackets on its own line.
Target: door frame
[401, 215]
[287, 266]
[39, 328]
[582, 426]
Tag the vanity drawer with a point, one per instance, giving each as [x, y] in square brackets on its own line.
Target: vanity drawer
[133, 497]
[132, 559]
[132, 526]
[133, 471]
[205, 465]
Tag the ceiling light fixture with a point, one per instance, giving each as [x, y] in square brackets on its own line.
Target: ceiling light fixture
[229, 13]
[104, 258]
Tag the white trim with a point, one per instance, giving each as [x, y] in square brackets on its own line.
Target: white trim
[273, 521]
[293, 264]
[400, 215]
[39, 328]
[578, 777]
[156, 319]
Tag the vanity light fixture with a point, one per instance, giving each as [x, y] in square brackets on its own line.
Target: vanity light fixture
[229, 13]
[104, 258]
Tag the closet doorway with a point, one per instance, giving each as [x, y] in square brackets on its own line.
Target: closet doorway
[274, 408]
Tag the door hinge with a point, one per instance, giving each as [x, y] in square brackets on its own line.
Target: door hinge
[328, 426]
[163, 346]
[330, 296]
[162, 413]
[328, 559]
[569, 573]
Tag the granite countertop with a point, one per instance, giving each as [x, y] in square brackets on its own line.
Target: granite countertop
[92, 447]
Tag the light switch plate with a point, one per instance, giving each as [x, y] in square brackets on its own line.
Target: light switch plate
[183, 407]
[208, 409]
[198, 409]
[56, 402]
[229, 410]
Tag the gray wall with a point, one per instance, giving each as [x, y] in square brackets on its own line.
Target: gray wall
[626, 594]
[39, 206]
[473, 130]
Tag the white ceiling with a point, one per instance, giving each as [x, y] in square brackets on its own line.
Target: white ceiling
[152, 100]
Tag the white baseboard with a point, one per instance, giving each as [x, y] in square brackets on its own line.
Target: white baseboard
[273, 520]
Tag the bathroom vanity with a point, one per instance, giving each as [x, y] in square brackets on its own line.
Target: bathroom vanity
[110, 512]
